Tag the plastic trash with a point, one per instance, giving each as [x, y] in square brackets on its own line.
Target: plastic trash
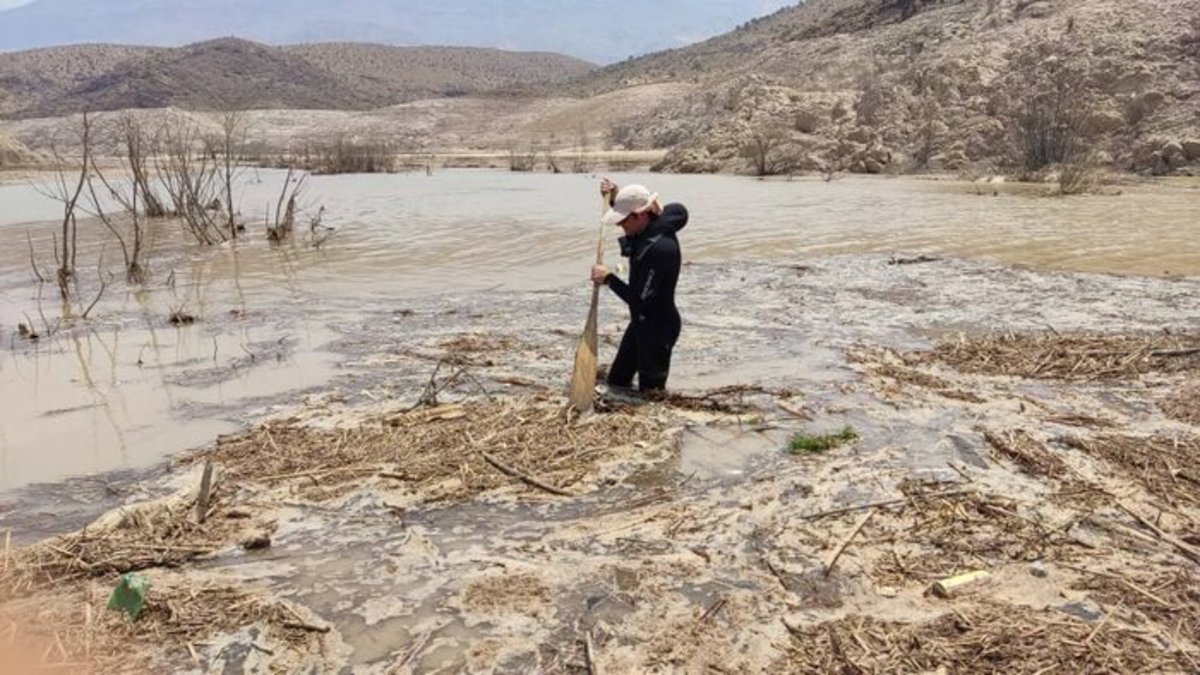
[130, 595]
[963, 583]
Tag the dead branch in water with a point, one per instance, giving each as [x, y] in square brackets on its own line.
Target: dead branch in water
[69, 197]
[103, 285]
[524, 477]
[32, 262]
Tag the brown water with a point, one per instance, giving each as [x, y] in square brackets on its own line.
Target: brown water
[126, 388]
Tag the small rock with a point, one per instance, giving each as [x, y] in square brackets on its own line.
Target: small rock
[1085, 610]
[257, 542]
[887, 591]
[1038, 569]
[1173, 155]
[860, 135]
[1192, 149]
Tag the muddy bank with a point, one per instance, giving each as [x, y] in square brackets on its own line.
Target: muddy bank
[1019, 423]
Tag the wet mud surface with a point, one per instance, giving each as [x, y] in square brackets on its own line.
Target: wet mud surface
[712, 551]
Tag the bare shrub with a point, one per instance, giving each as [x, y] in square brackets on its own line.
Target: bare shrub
[761, 147]
[580, 162]
[1044, 101]
[136, 198]
[930, 131]
[346, 155]
[1079, 174]
[287, 207]
[188, 173]
[522, 159]
[226, 148]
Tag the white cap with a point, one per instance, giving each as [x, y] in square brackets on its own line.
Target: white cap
[631, 199]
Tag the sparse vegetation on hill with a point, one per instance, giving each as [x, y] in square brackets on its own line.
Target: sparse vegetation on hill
[1049, 90]
[232, 73]
[398, 74]
[878, 86]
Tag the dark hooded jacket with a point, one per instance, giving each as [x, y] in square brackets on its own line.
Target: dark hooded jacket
[654, 262]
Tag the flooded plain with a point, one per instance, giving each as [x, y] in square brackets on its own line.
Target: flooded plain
[675, 557]
[126, 388]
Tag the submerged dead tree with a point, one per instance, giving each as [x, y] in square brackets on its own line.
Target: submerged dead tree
[62, 191]
[189, 174]
[286, 208]
[135, 200]
[227, 146]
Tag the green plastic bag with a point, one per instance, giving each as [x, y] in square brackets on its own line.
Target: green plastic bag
[130, 594]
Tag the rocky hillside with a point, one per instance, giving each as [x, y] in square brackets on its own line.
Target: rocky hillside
[910, 85]
[232, 73]
[14, 154]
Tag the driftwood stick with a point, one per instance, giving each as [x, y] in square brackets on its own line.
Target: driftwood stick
[886, 502]
[846, 542]
[205, 487]
[712, 611]
[416, 648]
[299, 625]
[590, 654]
[523, 477]
[1187, 549]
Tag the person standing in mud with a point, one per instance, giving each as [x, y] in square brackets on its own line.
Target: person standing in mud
[651, 244]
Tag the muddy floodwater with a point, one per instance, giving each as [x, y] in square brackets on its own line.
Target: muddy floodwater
[803, 302]
[275, 321]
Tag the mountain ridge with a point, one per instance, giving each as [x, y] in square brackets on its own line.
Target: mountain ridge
[238, 73]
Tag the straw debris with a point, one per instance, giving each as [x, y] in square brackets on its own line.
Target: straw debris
[988, 638]
[1170, 599]
[437, 452]
[888, 364]
[1184, 405]
[1083, 356]
[1166, 466]
[159, 533]
[71, 630]
[935, 537]
[1027, 453]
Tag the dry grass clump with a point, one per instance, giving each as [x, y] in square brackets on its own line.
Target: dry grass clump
[1184, 405]
[438, 452]
[70, 629]
[521, 593]
[939, 536]
[468, 344]
[989, 638]
[1168, 467]
[1170, 599]
[1027, 453]
[155, 534]
[886, 363]
[1070, 357]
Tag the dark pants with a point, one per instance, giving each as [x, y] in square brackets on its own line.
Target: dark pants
[646, 353]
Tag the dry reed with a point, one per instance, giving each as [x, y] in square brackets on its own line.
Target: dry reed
[1070, 357]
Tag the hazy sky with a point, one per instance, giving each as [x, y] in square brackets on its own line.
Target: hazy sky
[601, 31]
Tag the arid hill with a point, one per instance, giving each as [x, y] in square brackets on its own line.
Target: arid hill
[232, 73]
[886, 85]
[867, 86]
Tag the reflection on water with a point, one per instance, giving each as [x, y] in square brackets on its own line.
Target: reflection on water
[131, 388]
